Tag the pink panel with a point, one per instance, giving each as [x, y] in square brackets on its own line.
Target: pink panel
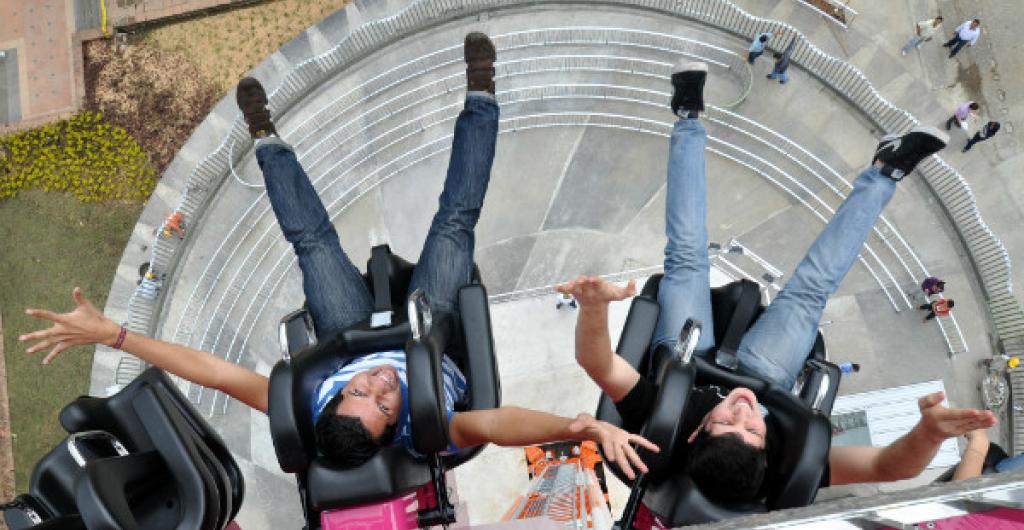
[998, 519]
[398, 514]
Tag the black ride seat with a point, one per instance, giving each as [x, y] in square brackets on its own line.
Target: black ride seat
[143, 458]
[801, 413]
[464, 337]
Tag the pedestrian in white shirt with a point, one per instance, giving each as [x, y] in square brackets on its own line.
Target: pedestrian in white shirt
[966, 33]
[925, 29]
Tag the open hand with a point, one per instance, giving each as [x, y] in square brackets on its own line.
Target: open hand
[82, 326]
[614, 441]
[940, 422]
[593, 291]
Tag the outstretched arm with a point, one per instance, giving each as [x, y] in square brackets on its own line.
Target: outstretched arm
[908, 456]
[86, 325]
[516, 427]
[594, 352]
[973, 459]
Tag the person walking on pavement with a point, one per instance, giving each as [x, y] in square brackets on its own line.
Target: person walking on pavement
[988, 131]
[782, 64]
[562, 299]
[757, 46]
[963, 113]
[966, 33]
[932, 285]
[925, 29]
[937, 308]
[848, 367]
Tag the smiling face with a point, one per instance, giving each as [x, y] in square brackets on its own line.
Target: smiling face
[375, 397]
[737, 414]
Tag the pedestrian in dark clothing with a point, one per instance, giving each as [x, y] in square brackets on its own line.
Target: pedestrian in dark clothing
[782, 64]
[938, 308]
[988, 131]
[932, 285]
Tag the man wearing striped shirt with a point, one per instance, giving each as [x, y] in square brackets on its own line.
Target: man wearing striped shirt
[363, 406]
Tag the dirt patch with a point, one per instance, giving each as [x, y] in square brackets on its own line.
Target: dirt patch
[969, 77]
[157, 96]
[825, 6]
[227, 45]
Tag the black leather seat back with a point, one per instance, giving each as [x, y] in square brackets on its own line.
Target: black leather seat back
[118, 415]
[801, 461]
[466, 339]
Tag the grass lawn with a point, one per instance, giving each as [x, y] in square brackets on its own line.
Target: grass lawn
[49, 243]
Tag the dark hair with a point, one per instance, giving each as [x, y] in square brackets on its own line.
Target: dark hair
[763, 38]
[977, 20]
[725, 468]
[973, 105]
[939, 18]
[941, 285]
[993, 126]
[778, 55]
[856, 367]
[344, 439]
[950, 304]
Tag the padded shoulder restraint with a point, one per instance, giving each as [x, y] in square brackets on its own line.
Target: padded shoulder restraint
[750, 298]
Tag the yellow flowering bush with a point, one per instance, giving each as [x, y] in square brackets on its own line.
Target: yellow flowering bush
[83, 155]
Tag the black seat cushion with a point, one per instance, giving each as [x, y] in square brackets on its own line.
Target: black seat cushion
[117, 415]
[797, 466]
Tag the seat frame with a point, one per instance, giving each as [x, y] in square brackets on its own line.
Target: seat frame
[398, 323]
[802, 411]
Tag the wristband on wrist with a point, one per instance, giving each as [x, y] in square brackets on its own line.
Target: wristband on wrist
[120, 338]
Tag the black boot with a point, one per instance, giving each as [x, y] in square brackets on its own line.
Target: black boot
[688, 82]
[252, 101]
[480, 56]
[901, 154]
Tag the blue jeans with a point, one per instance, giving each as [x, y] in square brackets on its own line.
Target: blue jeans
[335, 290]
[914, 42]
[783, 77]
[752, 56]
[776, 346]
[957, 44]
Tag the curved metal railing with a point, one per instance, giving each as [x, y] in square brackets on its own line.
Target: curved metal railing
[987, 253]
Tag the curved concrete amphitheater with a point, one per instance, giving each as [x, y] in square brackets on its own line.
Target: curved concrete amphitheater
[368, 97]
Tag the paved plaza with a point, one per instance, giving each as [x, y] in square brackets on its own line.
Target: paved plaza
[578, 188]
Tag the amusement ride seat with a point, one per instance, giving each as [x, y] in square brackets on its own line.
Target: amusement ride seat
[396, 324]
[140, 459]
[801, 413]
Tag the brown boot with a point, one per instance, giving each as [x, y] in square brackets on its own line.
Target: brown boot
[480, 55]
[252, 101]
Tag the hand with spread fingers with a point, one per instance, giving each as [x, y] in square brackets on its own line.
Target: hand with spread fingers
[84, 325]
[592, 291]
[940, 422]
[615, 442]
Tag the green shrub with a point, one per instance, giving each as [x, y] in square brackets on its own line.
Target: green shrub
[82, 155]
